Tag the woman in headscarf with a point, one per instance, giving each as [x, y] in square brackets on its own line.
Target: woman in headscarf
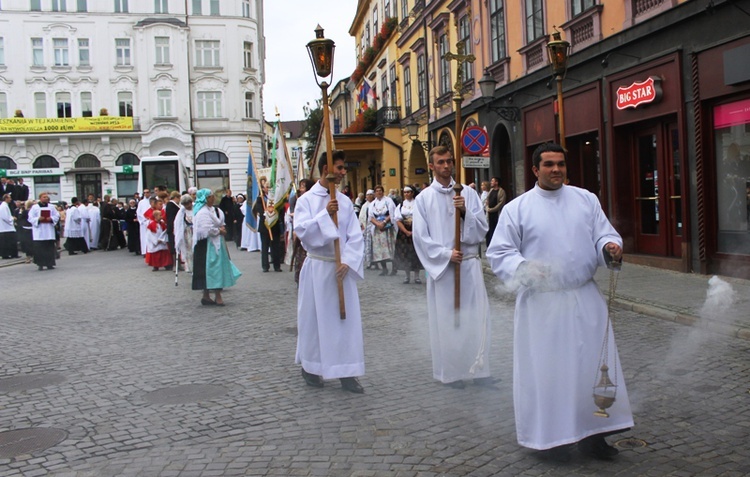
[212, 269]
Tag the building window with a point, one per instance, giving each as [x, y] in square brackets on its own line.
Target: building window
[407, 91]
[2, 51]
[60, 47]
[445, 65]
[47, 184]
[84, 54]
[86, 105]
[59, 6]
[127, 159]
[464, 36]
[36, 5]
[122, 51]
[37, 52]
[162, 50]
[209, 104]
[248, 54]
[404, 9]
[40, 105]
[164, 103]
[386, 91]
[7, 163]
[197, 7]
[392, 79]
[215, 179]
[246, 8]
[534, 20]
[125, 103]
[82, 6]
[207, 53]
[64, 109]
[121, 6]
[421, 81]
[387, 9]
[249, 108]
[160, 6]
[212, 157]
[3, 109]
[87, 161]
[127, 185]
[375, 31]
[580, 6]
[214, 7]
[497, 30]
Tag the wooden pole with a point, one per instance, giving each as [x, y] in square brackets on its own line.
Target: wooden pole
[332, 192]
[457, 188]
[560, 110]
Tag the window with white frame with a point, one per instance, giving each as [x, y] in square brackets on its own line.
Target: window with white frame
[421, 81]
[464, 36]
[534, 20]
[387, 9]
[214, 7]
[59, 6]
[60, 48]
[122, 51]
[3, 106]
[40, 105]
[404, 9]
[82, 6]
[36, 6]
[2, 51]
[86, 105]
[160, 6]
[209, 104]
[580, 6]
[367, 35]
[125, 103]
[207, 53]
[37, 52]
[392, 80]
[197, 7]
[249, 105]
[497, 30]
[64, 108]
[375, 30]
[247, 48]
[407, 90]
[445, 66]
[386, 89]
[246, 8]
[162, 50]
[84, 53]
[164, 102]
[121, 6]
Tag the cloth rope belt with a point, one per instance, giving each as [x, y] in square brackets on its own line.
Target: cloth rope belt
[470, 256]
[321, 258]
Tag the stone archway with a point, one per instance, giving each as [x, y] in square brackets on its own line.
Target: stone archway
[501, 164]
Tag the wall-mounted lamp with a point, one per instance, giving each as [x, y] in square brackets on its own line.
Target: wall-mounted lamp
[412, 128]
[605, 61]
[487, 85]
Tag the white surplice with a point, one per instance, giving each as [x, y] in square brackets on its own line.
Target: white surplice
[143, 206]
[43, 230]
[457, 352]
[95, 225]
[561, 316]
[250, 237]
[326, 344]
[74, 223]
[85, 223]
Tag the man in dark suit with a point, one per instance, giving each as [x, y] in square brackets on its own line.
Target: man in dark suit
[22, 190]
[173, 206]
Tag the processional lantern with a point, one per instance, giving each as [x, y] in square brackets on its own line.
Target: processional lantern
[321, 54]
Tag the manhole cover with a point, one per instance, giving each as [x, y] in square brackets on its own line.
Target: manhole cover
[29, 381]
[630, 443]
[28, 441]
[185, 394]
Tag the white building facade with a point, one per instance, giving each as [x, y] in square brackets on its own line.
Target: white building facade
[129, 79]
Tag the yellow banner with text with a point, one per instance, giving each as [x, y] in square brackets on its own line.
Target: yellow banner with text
[58, 125]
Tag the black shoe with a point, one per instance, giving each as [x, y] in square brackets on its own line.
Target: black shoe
[277, 270]
[556, 454]
[265, 270]
[72, 253]
[40, 268]
[50, 268]
[456, 384]
[489, 382]
[208, 302]
[352, 385]
[595, 446]
[312, 379]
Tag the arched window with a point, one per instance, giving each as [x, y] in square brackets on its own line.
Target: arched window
[87, 160]
[446, 140]
[45, 162]
[127, 159]
[212, 157]
[7, 163]
[167, 153]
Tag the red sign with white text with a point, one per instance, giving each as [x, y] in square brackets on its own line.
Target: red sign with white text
[639, 93]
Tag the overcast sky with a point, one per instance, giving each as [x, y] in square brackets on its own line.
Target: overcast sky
[289, 26]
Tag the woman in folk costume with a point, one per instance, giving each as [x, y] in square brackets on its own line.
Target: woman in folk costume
[183, 232]
[212, 269]
[364, 222]
[381, 215]
[157, 243]
[406, 257]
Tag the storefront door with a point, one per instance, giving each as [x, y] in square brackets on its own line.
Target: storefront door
[658, 208]
[88, 184]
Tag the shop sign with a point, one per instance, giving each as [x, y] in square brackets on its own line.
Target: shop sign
[52, 171]
[639, 93]
[420, 170]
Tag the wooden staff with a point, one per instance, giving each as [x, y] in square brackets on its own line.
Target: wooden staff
[457, 188]
[260, 187]
[332, 191]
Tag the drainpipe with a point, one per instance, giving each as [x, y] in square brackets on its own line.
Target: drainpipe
[190, 96]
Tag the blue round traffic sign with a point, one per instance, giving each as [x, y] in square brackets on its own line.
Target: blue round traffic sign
[474, 140]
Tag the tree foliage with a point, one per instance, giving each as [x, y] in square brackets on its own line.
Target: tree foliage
[314, 119]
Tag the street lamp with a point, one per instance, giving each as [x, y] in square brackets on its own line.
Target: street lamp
[412, 128]
[321, 56]
[559, 52]
[487, 86]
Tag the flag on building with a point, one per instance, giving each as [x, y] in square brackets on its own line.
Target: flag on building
[363, 100]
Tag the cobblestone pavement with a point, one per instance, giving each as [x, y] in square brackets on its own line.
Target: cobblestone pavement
[113, 342]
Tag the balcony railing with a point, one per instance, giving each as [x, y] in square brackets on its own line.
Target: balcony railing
[388, 116]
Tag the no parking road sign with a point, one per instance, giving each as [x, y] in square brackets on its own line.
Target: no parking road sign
[475, 141]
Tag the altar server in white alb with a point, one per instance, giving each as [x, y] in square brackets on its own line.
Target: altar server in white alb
[550, 241]
[458, 352]
[329, 347]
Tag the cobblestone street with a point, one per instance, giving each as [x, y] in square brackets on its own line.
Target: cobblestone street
[139, 379]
